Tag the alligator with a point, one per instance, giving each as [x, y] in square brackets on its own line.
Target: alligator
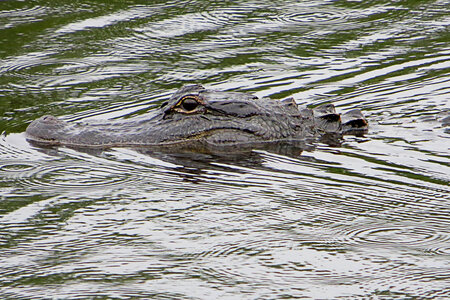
[196, 117]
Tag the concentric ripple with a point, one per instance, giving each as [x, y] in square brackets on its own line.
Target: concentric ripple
[69, 176]
[42, 171]
[42, 68]
[311, 17]
[182, 25]
[428, 239]
[16, 168]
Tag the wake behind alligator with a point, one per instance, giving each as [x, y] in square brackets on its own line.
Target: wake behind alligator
[198, 118]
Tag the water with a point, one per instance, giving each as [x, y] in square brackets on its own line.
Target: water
[369, 219]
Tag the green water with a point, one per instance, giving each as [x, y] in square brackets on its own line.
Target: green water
[367, 220]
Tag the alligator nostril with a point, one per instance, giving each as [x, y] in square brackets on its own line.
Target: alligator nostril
[49, 119]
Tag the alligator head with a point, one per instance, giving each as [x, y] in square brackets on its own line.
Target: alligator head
[194, 115]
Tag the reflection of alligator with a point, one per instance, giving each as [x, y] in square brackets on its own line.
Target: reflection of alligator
[199, 118]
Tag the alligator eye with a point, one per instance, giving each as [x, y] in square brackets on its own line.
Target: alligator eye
[189, 104]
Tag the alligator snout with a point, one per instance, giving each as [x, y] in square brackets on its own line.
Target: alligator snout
[47, 129]
[47, 122]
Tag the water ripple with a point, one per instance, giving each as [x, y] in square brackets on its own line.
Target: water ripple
[397, 236]
[309, 18]
[11, 18]
[187, 24]
[103, 21]
[61, 177]
[46, 173]
[43, 70]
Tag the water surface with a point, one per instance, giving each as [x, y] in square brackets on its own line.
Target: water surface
[368, 219]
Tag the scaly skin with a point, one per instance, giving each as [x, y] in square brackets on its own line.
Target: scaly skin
[198, 116]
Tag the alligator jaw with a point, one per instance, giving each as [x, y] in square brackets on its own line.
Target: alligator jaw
[51, 131]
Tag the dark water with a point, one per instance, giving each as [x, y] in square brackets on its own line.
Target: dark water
[369, 219]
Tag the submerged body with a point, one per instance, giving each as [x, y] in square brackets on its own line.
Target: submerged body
[196, 116]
